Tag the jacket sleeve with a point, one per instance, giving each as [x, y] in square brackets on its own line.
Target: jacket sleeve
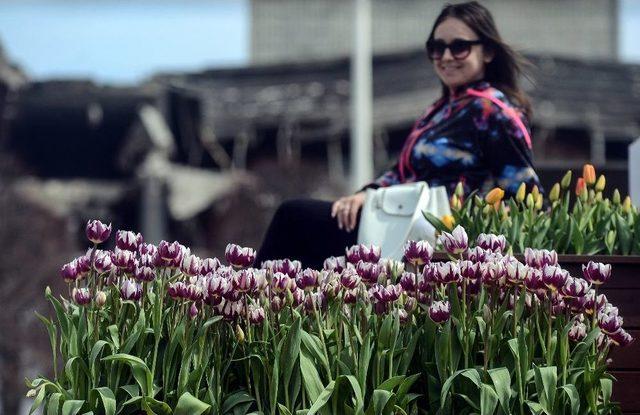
[506, 152]
[388, 178]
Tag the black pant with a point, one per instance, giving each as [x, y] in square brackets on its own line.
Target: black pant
[304, 230]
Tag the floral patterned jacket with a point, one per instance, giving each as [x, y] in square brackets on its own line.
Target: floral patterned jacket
[477, 137]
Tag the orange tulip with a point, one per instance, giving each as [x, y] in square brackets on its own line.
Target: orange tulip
[581, 186]
[495, 195]
[589, 174]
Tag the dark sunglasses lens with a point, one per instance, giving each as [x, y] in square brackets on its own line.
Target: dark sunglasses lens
[435, 49]
[460, 49]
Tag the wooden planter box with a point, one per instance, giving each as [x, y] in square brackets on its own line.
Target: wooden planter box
[623, 291]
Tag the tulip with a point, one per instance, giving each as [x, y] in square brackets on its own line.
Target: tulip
[369, 272]
[469, 270]
[307, 279]
[276, 303]
[410, 304]
[494, 273]
[129, 290]
[333, 263]
[143, 273]
[616, 197]
[350, 296]
[102, 261]
[538, 258]
[477, 254]
[298, 296]
[459, 190]
[230, 310]
[69, 272]
[589, 174]
[190, 264]
[208, 265]
[256, 315]
[448, 221]
[626, 204]
[581, 187]
[193, 311]
[315, 301]
[176, 290]
[100, 299]
[609, 323]
[418, 252]
[566, 180]
[124, 260]
[169, 254]
[554, 277]
[428, 278]
[577, 332]
[81, 296]
[349, 278]
[491, 242]
[538, 202]
[516, 272]
[364, 253]
[555, 193]
[455, 203]
[495, 195]
[522, 191]
[239, 334]
[575, 287]
[147, 249]
[215, 288]
[447, 272]
[408, 282]
[621, 338]
[593, 304]
[281, 283]
[243, 281]
[439, 311]
[330, 284]
[97, 232]
[530, 201]
[601, 183]
[392, 268]
[128, 241]
[238, 256]
[455, 242]
[596, 272]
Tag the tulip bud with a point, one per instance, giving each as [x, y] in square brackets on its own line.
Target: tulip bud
[239, 334]
[555, 193]
[487, 210]
[626, 205]
[448, 221]
[495, 195]
[611, 237]
[521, 193]
[478, 201]
[616, 197]
[566, 180]
[584, 196]
[101, 299]
[581, 186]
[455, 203]
[530, 201]
[598, 196]
[31, 393]
[193, 311]
[600, 184]
[589, 174]
[459, 192]
[538, 204]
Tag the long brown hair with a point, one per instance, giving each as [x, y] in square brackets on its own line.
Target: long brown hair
[506, 66]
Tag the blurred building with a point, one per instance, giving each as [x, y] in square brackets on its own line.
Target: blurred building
[303, 30]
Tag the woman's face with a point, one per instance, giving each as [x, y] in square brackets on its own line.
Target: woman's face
[455, 72]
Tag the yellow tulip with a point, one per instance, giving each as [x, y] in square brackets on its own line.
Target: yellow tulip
[448, 221]
[616, 197]
[601, 183]
[538, 205]
[521, 193]
[555, 193]
[626, 205]
[455, 203]
[530, 201]
[459, 190]
[589, 174]
[566, 180]
[495, 195]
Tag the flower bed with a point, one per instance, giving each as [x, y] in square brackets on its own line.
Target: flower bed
[160, 330]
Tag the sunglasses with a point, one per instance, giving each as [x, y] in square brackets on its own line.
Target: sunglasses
[459, 48]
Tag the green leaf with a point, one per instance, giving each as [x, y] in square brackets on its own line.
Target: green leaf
[137, 331]
[155, 406]
[72, 407]
[53, 407]
[471, 374]
[574, 398]
[406, 385]
[290, 351]
[322, 399]
[314, 346]
[391, 383]
[502, 383]
[312, 383]
[546, 379]
[607, 389]
[141, 372]
[107, 398]
[364, 360]
[577, 238]
[190, 405]
[624, 234]
[283, 410]
[382, 402]
[236, 399]
[488, 400]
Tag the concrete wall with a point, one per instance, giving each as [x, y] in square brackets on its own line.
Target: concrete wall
[291, 30]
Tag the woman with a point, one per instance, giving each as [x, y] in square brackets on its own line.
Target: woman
[476, 133]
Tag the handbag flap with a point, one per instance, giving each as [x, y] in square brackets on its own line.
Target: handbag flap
[401, 200]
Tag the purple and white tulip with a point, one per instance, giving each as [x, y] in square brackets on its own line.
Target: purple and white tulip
[418, 252]
[621, 338]
[539, 258]
[169, 254]
[333, 263]
[609, 322]
[408, 282]
[455, 242]
[256, 315]
[362, 252]
[491, 242]
[124, 260]
[439, 311]
[69, 272]
[130, 290]
[238, 256]
[147, 249]
[128, 241]
[307, 279]
[575, 287]
[209, 265]
[578, 331]
[447, 272]
[102, 261]
[596, 272]
[554, 277]
[190, 264]
[81, 296]
[97, 232]
[369, 272]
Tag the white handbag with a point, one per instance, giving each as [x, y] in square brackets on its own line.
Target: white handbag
[393, 215]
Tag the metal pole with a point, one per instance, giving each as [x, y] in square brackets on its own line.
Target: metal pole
[361, 97]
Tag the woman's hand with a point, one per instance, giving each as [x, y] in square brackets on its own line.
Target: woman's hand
[345, 210]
